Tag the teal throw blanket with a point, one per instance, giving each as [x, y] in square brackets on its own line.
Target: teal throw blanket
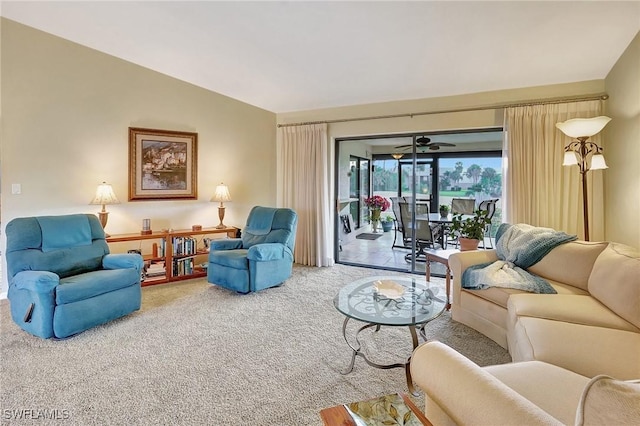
[518, 247]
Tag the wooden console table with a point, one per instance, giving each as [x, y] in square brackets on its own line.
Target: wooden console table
[176, 250]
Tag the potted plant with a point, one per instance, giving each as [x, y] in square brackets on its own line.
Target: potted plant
[387, 223]
[444, 210]
[376, 205]
[470, 230]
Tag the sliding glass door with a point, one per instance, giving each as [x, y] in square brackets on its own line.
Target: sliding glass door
[463, 165]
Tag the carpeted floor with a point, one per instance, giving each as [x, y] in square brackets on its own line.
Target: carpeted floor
[199, 354]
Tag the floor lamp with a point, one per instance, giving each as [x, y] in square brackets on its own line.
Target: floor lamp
[579, 151]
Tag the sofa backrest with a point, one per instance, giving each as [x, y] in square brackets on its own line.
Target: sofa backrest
[270, 225]
[65, 245]
[570, 263]
[615, 281]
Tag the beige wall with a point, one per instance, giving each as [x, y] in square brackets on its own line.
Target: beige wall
[66, 112]
[622, 149]
[479, 119]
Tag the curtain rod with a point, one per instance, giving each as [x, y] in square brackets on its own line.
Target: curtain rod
[601, 96]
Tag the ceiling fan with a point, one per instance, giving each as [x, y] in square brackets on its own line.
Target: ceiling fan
[425, 142]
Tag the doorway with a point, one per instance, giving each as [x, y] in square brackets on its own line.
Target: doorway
[395, 166]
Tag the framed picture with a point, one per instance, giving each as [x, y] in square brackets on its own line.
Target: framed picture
[162, 165]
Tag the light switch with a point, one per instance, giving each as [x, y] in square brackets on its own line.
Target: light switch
[16, 188]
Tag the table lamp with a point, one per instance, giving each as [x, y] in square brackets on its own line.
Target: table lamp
[221, 195]
[104, 196]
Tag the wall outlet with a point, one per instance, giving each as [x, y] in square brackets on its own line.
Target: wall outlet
[16, 188]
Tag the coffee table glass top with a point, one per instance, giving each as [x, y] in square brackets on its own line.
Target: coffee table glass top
[415, 302]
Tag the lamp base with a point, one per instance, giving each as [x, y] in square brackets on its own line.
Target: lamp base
[103, 216]
[221, 217]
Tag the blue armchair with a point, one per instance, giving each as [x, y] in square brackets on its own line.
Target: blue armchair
[62, 279]
[262, 258]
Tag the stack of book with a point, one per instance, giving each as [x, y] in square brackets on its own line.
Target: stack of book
[156, 270]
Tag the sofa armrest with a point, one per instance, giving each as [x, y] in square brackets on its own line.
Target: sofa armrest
[37, 281]
[459, 262]
[468, 394]
[123, 261]
[226, 244]
[267, 251]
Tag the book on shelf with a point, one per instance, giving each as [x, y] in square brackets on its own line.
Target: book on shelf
[183, 266]
[156, 269]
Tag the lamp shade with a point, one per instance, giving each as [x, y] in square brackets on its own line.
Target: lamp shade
[583, 127]
[570, 159]
[222, 193]
[598, 163]
[105, 195]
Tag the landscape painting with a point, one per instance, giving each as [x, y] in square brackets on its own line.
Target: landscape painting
[162, 164]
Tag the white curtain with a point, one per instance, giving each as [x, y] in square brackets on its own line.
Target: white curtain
[538, 189]
[304, 187]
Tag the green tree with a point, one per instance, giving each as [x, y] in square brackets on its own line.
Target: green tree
[491, 182]
[474, 172]
[445, 180]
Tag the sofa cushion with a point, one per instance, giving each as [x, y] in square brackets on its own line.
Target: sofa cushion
[575, 309]
[500, 295]
[236, 259]
[556, 390]
[615, 281]
[569, 263]
[90, 284]
[68, 231]
[584, 349]
[607, 401]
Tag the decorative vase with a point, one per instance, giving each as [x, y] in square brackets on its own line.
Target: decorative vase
[386, 226]
[375, 218]
[467, 244]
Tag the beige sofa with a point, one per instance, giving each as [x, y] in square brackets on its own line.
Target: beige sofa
[591, 327]
[458, 392]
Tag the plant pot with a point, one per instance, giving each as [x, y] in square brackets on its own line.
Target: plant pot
[467, 244]
[386, 226]
[444, 213]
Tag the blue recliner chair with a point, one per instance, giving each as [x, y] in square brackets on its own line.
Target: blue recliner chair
[262, 258]
[62, 279]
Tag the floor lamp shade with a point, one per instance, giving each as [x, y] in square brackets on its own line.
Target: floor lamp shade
[221, 195]
[104, 196]
[579, 151]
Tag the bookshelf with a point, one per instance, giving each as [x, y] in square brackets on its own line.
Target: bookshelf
[172, 255]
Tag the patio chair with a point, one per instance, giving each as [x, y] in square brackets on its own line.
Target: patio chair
[490, 207]
[463, 206]
[397, 222]
[426, 235]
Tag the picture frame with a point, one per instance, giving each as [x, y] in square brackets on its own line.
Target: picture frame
[162, 164]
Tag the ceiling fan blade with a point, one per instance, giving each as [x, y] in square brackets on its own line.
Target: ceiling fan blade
[442, 144]
[403, 146]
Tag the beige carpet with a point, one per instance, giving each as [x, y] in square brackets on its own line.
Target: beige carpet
[198, 354]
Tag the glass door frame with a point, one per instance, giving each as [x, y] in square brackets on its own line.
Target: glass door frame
[417, 157]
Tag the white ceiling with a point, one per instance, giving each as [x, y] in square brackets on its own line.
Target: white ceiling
[292, 56]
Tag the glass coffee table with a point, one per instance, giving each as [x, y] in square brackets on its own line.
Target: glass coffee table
[396, 301]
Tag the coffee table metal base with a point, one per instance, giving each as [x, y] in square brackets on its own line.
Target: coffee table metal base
[356, 351]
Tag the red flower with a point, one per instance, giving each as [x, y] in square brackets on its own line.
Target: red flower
[377, 202]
